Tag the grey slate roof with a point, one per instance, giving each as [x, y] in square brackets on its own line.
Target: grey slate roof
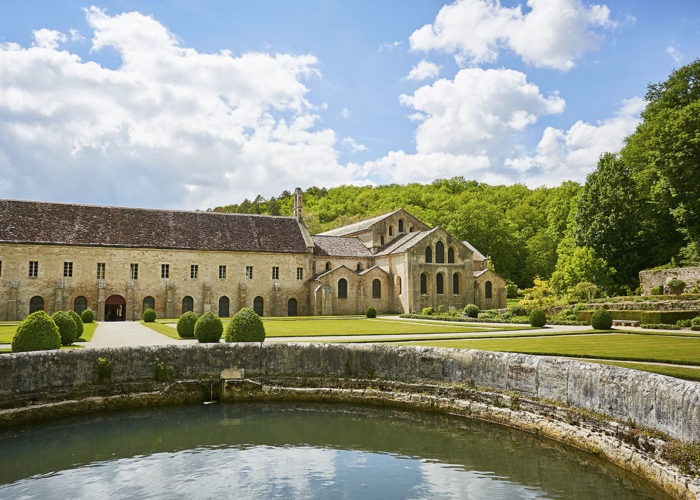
[477, 254]
[357, 226]
[90, 225]
[338, 246]
[403, 243]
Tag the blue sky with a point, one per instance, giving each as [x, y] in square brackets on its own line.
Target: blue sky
[134, 103]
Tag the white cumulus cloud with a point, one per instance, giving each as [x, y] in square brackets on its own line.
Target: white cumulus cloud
[423, 70]
[550, 34]
[675, 54]
[353, 145]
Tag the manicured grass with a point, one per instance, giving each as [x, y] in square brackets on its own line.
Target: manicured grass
[683, 372]
[625, 347]
[62, 347]
[169, 331]
[6, 333]
[88, 331]
[316, 327]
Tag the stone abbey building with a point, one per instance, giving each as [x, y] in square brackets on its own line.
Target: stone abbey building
[120, 261]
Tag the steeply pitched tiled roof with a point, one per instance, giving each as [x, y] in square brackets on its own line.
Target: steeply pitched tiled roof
[477, 254]
[338, 246]
[358, 226]
[403, 243]
[90, 225]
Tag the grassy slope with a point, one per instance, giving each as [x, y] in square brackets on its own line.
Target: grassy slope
[672, 371]
[7, 332]
[88, 331]
[169, 331]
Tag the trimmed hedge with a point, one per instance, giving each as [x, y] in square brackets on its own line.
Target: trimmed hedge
[37, 332]
[427, 311]
[208, 328]
[78, 324]
[371, 312]
[66, 327]
[245, 326]
[538, 318]
[149, 315]
[601, 319]
[185, 325]
[87, 316]
[666, 316]
[471, 310]
[628, 315]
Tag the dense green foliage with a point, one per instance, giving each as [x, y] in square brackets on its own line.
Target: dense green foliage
[36, 333]
[471, 310]
[601, 319]
[638, 209]
[371, 312]
[78, 324]
[208, 328]
[245, 326]
[66, 327]
[103, 371]
[538, 318]
[87, 316]
[149, 315]
[185, 325]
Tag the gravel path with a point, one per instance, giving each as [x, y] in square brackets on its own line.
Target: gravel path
[126, 333]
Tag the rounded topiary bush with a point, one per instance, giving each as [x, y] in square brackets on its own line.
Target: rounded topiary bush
[149, 315]
[36, 333]
[427, 311]
[66, 327]
[601, 319]
[245, 326]
[185, 324]
[472, 310]
[87, 316]
[208, 328]
[538, 318]
[78, 324]
[371, 312]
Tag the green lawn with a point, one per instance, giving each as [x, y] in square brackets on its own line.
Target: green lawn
[6, 333]
[88, 331]
[625, 347]
[316, 327]
[169, 331]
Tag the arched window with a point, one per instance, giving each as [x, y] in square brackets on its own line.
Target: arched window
[410, 230]
[439, 284]
[80, 304]
[398, 285]
[359, 267]
[223, 307]
[328, 266]
[428, 255]
[455, 283]
[36, 303]
[450, 255]
[423, 284]
[258, 305]
[489, 290]
[342, 288]
[292, 307]
[400, 225]
[391, 230]
[439, 253]
[149, 303]
[381, 240]
[187, 304]
[376, 289]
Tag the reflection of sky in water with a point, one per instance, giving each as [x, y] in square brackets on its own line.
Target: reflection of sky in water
[264, 472]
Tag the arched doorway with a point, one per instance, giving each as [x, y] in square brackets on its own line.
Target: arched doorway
[149, 303]
[36, 303]
[187, 304]
[115, 308]
[292, 307]
[80, 304]
[223, 307]
[258, 305]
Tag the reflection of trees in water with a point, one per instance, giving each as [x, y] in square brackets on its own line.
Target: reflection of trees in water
[506, 453]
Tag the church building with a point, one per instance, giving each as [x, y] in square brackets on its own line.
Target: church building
[120, 261]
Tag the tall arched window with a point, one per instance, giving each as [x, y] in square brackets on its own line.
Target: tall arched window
[376, 289]
[400, 225]
[36, 303]
[359, 267]
[80, 304]
[381, 240]
[428, 255]
[149, 303]
[439, 284]
[423, 284]
[391, 230]
[342, 288]
[439, 253]
[450, 255]
[488, 290]
[455, 283]
[187, 304]
[258, 305]
[328, 266]
[223, 307]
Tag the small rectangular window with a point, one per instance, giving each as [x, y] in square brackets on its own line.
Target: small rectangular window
[165, 270]
[249, 272]
[194, 270]
[134, 271]
[300, 273]
[0, 268]
[33, 268]
[67, 269]
[222, 272]
[275, 273]
[100, 270]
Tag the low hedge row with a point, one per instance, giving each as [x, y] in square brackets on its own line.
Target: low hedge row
[644, 317]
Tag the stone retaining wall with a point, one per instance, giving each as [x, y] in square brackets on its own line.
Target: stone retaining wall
[650, 279]
[663, 403]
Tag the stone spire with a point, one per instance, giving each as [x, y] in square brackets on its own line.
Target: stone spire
[298, 203]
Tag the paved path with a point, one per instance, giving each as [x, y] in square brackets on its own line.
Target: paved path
[126, 333]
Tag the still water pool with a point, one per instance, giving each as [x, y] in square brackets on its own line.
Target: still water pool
[284, 450]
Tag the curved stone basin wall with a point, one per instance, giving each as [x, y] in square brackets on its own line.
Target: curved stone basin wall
[663, 403]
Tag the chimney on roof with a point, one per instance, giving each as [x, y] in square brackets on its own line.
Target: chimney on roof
[298, 203]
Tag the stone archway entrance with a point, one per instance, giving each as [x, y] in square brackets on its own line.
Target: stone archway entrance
[115, 308]
[258, 305]
[292, 307]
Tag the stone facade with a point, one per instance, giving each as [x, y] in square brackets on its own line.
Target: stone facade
[223, 262]
[650, 279]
